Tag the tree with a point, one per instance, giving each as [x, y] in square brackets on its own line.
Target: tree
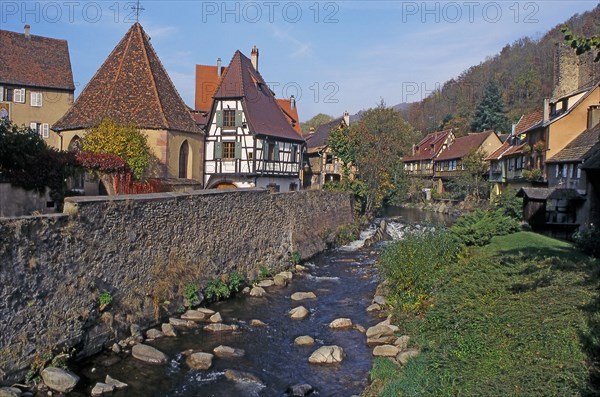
[582, 44]
[28, 162]
[470, 183]
[490, 114]
[375, 145]
[316, 121]
[125, 141]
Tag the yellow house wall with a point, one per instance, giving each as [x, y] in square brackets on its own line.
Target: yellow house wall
[55, 104]
[569, 127]
[165, 147]
[491, 144]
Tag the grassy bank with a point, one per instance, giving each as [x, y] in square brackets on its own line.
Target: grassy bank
[517, 317]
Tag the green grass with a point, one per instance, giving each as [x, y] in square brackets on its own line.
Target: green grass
[515, 318]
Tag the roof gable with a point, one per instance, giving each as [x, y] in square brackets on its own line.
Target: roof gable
[131, 86]
[207, 82]
[430, 146]
[319, 138]
[464, 145]
[291, 112]
[35, 61]
[264, 115]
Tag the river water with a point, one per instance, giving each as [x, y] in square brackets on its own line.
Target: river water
[344, 281]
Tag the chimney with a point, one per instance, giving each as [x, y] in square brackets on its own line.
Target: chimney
[546, 112]
[414, 149]
[347, 118]
[218, 67]
[566, 71]
[254, 57]
[292, 102]
[513, 129]
[27, 30]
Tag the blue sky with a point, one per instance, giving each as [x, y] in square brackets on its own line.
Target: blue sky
[332, 55]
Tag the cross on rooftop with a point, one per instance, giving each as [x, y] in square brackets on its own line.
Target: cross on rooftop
[137, 8]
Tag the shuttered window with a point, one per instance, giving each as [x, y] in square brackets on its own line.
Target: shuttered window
[19, 95]
[229, 150]
[229, 118]
[36, 99]
[45, 130]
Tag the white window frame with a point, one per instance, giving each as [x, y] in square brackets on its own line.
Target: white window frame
[33, 126]
[1, 93]
[45, 133]
[19, 95]
[36, 99]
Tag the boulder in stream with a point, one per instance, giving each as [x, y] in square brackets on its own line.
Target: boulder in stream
[102, 388]
[193, 315]
[300, 296]
[298, 313]
[339, 323]
[300, 390]
[385, 351]
[168, 330]
[327, 355]
[148, 354]
[304, 340]
[240, 376]
[227, 351]
[199, 360]
[59, 379]
[10, 392]
[258, 292]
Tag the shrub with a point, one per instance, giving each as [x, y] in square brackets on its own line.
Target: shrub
[479, 227]
[263, 273]
[296, 258]
[190, 293]
[105, 298]
[411, 266]
[587, 241]
[216, 289]
[236, 281]
[509, 203]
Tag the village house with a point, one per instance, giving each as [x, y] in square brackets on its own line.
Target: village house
[420, 162]
[132, 86]
[320, 165]
[36, 81]
[449, 163]
[252, 139]
[508, 162]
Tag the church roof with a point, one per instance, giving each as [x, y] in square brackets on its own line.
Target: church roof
[35, 61]
[263, 113]
[131, 86]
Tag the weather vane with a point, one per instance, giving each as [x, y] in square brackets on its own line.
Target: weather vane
[137, 10]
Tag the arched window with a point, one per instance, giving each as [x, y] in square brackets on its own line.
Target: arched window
[184, 152]
[75, 145]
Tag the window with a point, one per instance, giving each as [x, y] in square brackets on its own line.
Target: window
[453, 165]
[184, 152]
[1, 93]
[329, 159]
[272, 151]
[9, 95]
[19, 95]
[228, 118]
[250, 155]
[41, 128]
[294, 155]
[228, 150]
[36, 99]
[293, 187]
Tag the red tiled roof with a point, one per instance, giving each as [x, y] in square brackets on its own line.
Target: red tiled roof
[131, 86]
[463, 145]
[291, 113]
[207, 83]
[429, 147]
[264, 116]
[35, 61]
[506, 150]
[528, 121]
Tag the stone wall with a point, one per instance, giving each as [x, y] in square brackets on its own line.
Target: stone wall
[142, 249]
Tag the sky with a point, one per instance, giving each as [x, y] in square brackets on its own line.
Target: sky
[333, 56]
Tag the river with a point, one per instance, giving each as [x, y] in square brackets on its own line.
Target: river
[344, 281]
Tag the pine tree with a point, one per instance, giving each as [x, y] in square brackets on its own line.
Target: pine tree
[490, 114]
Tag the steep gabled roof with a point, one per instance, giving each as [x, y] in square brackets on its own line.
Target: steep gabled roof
[429, 147]
[579, 148]
[35, 61]
[131, 86]
[291, 112]
[464, 145]
[264, 116]
[318, 139]
[529, 121]
[207, 82]
[507, 149]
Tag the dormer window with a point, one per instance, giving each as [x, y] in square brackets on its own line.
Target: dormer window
[228, 118]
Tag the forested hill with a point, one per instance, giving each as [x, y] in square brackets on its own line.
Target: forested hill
[524, 71]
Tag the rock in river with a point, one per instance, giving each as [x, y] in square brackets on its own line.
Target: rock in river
[340, 323]
[60, 380]
[327, 355]
[298, 313]
[220, 327]
[193, 315]
[199, 360]
[102, 388]
[148, 354]
[385, 351]
[227, 351]
[299, 296]
[258, 292]
[304, 340]
[300, 390]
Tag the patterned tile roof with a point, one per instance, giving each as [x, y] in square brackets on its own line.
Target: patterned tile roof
[207, 82]
[265, 117]
[131, 86]
[319, 138]
[429, 147]
[291, 112]
[35, 61]
[529, 121]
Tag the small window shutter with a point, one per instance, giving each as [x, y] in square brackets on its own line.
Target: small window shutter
[33, 126]
[45, 131]
[238, 118]
[219, 118]
[556, 176]
[276, 152]
[218, 150]
[1, 93]
[238, 150]
[19, 95]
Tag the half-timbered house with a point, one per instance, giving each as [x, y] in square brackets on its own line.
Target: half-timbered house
[250, 141]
